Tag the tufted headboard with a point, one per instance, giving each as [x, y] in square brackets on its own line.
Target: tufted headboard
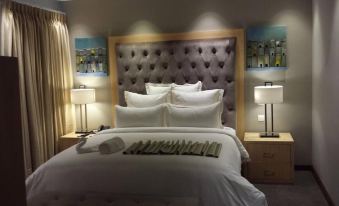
[214, 58]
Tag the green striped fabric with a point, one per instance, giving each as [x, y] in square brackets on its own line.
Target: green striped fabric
[177, 147]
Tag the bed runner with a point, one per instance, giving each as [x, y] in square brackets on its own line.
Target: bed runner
[174, 148]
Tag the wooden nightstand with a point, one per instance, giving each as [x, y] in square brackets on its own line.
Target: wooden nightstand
[272, 159]
[68, 140]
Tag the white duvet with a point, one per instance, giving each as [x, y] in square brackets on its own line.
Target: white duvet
[212, 181]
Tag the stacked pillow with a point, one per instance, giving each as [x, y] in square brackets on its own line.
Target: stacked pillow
[199, 116]
[171, 105]
[141, 100]
[153, 88]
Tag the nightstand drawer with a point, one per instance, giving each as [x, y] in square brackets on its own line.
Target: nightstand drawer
[278, 153]
[66, 143]
[266, 173]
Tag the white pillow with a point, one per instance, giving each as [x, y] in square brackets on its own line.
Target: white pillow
[139, 117]
[153, 88]
[140, 100]
[200, 98]
[202, 116]
[187, 87]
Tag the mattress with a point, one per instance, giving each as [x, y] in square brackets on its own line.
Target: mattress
[161, 179]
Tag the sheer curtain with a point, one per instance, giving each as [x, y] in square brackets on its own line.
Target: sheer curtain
[40, 40]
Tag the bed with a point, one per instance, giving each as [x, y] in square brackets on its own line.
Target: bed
[215, 59]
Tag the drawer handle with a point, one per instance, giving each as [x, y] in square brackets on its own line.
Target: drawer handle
[268, 155]
[269, 173]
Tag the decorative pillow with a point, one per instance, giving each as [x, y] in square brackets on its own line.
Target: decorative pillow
[187, 87]
[140, 100]
[200, 98]
[202, 116]
[139, 117]
[153, 88]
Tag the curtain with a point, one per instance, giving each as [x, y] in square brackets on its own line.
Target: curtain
[5, 28]
[40, 40]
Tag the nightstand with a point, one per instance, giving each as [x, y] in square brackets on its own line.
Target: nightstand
[272, 159]
[68, 140]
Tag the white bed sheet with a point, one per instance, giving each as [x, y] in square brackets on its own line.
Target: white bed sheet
[213, 181]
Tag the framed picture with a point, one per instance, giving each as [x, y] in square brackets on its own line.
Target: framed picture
[91, 56]
[266, 48]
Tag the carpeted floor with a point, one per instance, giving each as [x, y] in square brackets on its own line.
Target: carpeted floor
[304, 192]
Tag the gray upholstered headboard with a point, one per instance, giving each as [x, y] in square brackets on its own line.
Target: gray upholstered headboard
[209, 60]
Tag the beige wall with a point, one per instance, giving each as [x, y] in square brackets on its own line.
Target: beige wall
[120, 17]
[325, 94]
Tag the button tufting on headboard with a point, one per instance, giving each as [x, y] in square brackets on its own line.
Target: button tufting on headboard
[193, 65]
[215, 79]
[146, 80]
[159, 79]
[221, 64]
[186, 50]
[228, 49]
[214, 50]
[179, 65]
[207, 65]
[145, 53]
[186, 61]
[172, 79]
[165, 65]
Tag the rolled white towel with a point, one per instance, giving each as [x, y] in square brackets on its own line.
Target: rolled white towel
[113, 145]
[81, 149]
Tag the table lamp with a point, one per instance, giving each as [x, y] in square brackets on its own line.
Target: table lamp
[268, 94]
[83, 96]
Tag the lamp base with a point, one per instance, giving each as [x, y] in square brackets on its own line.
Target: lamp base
[269, 135]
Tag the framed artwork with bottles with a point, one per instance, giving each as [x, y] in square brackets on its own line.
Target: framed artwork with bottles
[91, 56]
[266, 48]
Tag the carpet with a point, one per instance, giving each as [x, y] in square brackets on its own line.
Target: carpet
[304, 192]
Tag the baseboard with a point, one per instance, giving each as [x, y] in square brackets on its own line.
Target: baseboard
[303, 167]
[318, 180]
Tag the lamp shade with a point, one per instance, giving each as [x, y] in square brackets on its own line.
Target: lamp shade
[82, 96]
[268, 94]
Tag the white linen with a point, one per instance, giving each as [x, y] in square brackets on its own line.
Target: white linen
[200, 116]
[187, 87]
[139, 117]
[213, 181]
[140, 100]
[154, 88]
[200, 98]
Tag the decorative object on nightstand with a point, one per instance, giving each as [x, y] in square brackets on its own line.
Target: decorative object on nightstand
[268, 94]
[272, 159]
[83, 96]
